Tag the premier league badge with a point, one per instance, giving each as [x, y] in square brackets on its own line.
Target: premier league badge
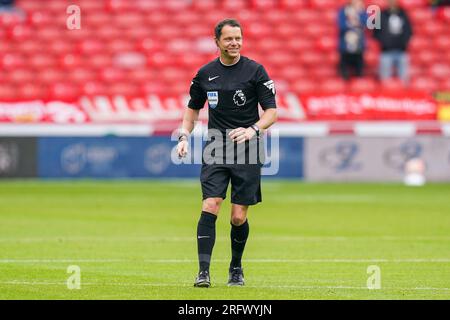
[239, 98]
[213, 99]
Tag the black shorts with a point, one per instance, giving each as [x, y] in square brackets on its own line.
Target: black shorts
[245, 182]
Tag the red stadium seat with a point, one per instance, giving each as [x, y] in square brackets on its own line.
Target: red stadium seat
[119, 5]
[9, 20]
[64, 91]
[421, 16]
[124, 89]
[442, 42]
[8, 92]
[333, 85]
[92, 46]
[142, 75]
[362, 85]
[424, 84]
[263, 4]
[176, 5]
[21, 75]
[292, 73]
[48, 34]
[179, 46]
[149, 45]
[50, 76]
[91, 5]
[157, 88]
[30, 5]
[323, 72]
[56, 6]
[99, 61]
[310, 58]
[205, 5]
[293, 5]
[416, 71]
[40, 18]
[6, 47]
[440, 71]
[234, 5]
[148, 6]
[419, 43]
[299, 44]
[431, 28]
[129, 20]
[82, 75]
[444, 85]
[258, 30]
[42, 61]
[425, 57]
[71, 60]
[94, 88]
[324, 4]
[98, 19]
[60, 46]
[21, 33]
[327, 43]
[32, 91]
[184, 18]
[112, 75]
[303, 86]
[12, 61]
[120, 45]
[413, 4]
[288, 31]
[277, 17]
[106, 33]
[160, 59]
[392, 85]
[307, 17]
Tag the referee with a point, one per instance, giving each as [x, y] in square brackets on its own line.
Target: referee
[233, 85]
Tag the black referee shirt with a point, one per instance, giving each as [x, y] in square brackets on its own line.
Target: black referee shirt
[233, 93]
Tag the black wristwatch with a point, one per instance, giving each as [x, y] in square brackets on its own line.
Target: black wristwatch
[180, 137]
[256, 128]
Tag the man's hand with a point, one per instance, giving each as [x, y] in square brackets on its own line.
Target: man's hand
[240, 135]
[182, 148]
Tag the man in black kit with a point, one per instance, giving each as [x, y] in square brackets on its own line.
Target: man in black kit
[233, 85]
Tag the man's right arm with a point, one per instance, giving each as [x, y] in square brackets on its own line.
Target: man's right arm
[189, 119]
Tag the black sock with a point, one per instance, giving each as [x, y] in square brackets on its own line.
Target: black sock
[206, 236]
[239, 235]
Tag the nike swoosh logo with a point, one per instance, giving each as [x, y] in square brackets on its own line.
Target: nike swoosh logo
[211, 79]
[200, 237]
[239, 241]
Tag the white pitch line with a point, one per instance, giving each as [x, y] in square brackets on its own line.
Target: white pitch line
[434, 260]
[189, 285]
[255, 238]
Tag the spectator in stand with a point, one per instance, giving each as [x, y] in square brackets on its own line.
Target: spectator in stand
[440, 2]
[9, 7]
[6, 4]
[394, 36]
[352, 20]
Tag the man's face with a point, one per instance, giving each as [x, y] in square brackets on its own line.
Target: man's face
[230, 41]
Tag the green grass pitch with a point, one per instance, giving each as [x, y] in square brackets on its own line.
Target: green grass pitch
[136, 240]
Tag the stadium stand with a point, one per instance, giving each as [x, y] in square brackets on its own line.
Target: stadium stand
[133, 47]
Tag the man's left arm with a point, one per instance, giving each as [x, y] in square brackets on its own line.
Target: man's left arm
[265, 90]
[268, 118]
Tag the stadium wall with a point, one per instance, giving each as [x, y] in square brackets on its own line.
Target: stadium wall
[341, 157]
[139, 157]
